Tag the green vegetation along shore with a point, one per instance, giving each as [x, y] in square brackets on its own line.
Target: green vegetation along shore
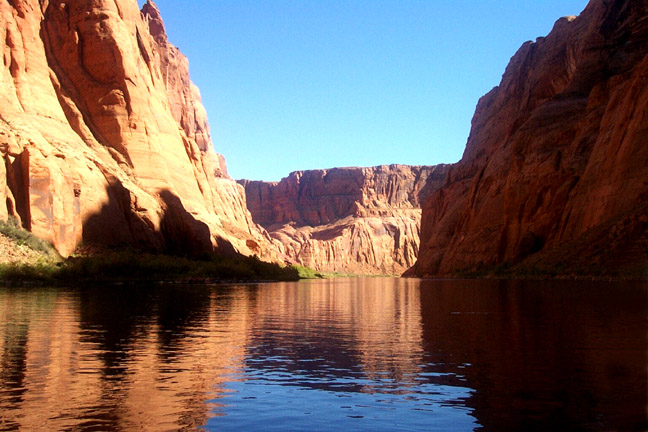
[27, 259]
[132, 266]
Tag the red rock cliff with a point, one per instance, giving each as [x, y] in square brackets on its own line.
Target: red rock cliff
[349, 220]
[555, 173]
[104, 137]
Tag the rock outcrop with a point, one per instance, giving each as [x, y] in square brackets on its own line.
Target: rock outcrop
[104, 137]
[347, 220]
[554, 177]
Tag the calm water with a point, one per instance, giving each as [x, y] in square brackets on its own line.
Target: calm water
[346, 354]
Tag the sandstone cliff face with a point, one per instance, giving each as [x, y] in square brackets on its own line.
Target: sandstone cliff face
[104, 137]
[555, 172]
[349, 220]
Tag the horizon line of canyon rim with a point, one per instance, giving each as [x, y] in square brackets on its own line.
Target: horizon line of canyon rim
[106, 142]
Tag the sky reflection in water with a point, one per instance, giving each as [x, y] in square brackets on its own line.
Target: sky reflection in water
[345, 353]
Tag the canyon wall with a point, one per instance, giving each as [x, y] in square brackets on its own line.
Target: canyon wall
[104, 138]
[347, 220]
[554, 178]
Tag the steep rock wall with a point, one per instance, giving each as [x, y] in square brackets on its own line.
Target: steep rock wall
[348, 220]
[104, 137]
[554, 177]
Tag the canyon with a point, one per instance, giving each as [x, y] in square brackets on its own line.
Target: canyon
[554, 178]
[106, 144]
[347, 220]
[104, 137]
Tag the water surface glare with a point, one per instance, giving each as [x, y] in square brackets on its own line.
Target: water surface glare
[352, 354]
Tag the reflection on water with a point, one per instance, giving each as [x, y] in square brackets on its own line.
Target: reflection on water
[352, 353]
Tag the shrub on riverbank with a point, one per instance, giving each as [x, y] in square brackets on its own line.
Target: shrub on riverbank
[131, 265]
[120, 266]
[21, 238]
[307, 272]
[26, 258]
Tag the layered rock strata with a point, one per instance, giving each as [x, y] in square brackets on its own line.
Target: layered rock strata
[347, 220]
[104, 137]
[554, 177]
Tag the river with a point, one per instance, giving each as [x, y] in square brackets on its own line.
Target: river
[339, 354]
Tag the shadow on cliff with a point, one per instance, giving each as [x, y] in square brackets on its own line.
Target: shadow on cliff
[121, 224]
[184, 235]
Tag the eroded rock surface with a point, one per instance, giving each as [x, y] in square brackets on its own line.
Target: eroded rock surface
[555, 173]
[348, 220]
[104, 137]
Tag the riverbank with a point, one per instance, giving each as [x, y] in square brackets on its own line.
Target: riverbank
[26, 260]
[131, 266]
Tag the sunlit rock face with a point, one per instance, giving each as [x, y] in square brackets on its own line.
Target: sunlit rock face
[555, 172]
[104, 137]
[349, 220]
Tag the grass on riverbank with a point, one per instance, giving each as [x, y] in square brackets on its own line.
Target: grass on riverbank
[309, 273]
[24, 258]
[21, 245]
[127, 266]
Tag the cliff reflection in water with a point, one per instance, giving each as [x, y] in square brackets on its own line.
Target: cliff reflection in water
[340, 329]
[446, 354]
[116, 359]
[544, 355]
[122, 358]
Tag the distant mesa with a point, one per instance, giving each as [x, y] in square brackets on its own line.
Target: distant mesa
[347, 220]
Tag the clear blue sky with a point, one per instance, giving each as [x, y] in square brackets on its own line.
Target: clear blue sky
[303, 84]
